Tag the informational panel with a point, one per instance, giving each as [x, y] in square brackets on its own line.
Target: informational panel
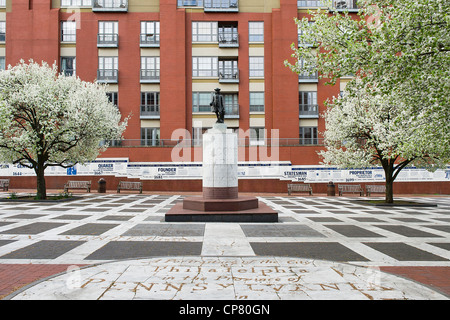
[283, 170]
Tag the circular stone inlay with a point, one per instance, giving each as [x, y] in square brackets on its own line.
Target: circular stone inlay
[217, 278]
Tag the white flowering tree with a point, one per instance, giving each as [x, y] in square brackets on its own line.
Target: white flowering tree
[396, 110]
[368, 129]
[48, 119]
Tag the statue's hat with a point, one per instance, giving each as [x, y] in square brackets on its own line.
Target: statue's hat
[217, 89]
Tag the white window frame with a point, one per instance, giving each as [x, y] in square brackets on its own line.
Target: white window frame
[204, 31]
[205, 67]
[256, 31]
[68, 31]
[255, 69]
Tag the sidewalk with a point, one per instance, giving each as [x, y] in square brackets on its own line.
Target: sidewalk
[333, 234]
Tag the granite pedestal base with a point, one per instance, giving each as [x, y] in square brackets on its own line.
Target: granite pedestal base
[242, 209]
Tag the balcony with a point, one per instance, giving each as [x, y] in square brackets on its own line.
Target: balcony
[68, 72]
[149, 75]
[228, 40]
[307, 77]
[228, 76]
[149, 40]
[110, 5]
[107, 40]
[149, 112]
[221, 6]
[107, 76]
[308, 111]
[345, 5]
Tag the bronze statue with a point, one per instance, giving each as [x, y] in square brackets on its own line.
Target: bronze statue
[217, 106]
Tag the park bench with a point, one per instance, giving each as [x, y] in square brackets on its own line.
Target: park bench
[128, 185]
[77, 185]
[4, 184]
[375, 189]
[354, 188]
[299, 188]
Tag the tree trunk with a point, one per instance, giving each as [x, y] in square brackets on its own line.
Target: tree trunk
[388, 173]
[41, 188]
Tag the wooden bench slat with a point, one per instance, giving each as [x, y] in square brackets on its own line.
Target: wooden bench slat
[4, 184]
[129, 185]
[299, 188]
[77, 185]
[375, 189]
[354, 188]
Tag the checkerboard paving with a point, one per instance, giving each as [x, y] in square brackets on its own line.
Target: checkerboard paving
[103, 228]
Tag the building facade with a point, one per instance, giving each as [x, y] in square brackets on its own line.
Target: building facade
[162, 59]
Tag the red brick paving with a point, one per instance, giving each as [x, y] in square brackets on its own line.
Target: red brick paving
[435, 277]
[15, 276]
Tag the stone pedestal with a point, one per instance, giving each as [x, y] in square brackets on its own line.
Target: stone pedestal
[220, 163]
[220, 201]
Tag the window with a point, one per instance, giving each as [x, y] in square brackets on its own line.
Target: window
[204, 31]
[256, 66]
[149, 32]
[228, 35]
[2, 31]
[256, 136]
[113, 97]
[308, 135]
[256, 101]
[150, 103]
[76, 3]
[2, 3]
[2, 63]
[228, 70]
[204, 66]
[256, 31]
[201, 101]
[68, 66]
[308, 104]
[150, 136]
[68, 31]
[108, 32]
[108, 69]
[150, 68]
[190, 3]
[311, 3]
[231, 104]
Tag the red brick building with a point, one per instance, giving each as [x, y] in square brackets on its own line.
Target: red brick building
[161, 59]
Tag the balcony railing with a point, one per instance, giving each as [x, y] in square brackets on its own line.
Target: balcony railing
[107, 40]
[150, 76]
[149, 40]
[308, 111]
[228, 40]
[221, 6]
[344, 5]
[107, 76]
[242, 142]
[226, 76]
[149, 112]
[68, 72]
[110, 5]
[307, 77]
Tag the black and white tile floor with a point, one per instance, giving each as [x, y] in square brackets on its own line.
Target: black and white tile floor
[108, 228]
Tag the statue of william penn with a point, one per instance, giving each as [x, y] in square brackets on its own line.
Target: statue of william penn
[217, 106]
